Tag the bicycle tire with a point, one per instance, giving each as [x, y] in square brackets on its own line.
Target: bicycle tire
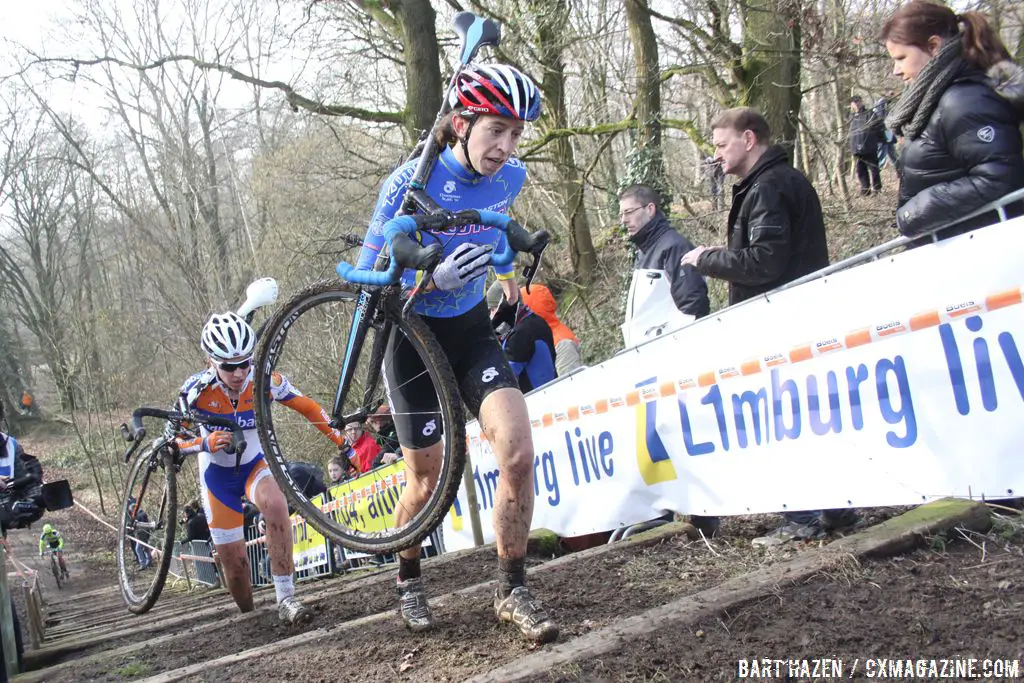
[141, 601]
[415, 330]
[56, 571]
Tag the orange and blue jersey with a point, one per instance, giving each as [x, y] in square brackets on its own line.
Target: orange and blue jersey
[454, 188]
[223, 482]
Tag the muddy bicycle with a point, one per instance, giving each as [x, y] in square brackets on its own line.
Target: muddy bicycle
[339, 340]
[149, 506]
[58, 567]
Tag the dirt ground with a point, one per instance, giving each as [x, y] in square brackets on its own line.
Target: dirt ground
[469, 640]
[960, 597]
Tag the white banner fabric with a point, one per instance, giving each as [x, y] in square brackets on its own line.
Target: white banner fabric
[892, 383]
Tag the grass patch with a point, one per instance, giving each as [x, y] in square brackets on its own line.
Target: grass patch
[132, 669]
[1008, 529]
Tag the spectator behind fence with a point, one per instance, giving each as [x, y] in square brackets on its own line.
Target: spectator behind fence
[364, 445]
[776, 234]
[887, 148]
[525, 338]
[340, 469]
[660, 247]
[143, 555]
[384, 432]
[962, 146]
[712, 169]
[567, 346]
[867, 133]
[382, 428]
[309, 479]
[196, 526]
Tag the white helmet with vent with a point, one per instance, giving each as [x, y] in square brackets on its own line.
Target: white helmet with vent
[227, 337]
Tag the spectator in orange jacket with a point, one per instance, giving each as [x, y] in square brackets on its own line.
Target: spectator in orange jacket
[567, 346]
[363, 444]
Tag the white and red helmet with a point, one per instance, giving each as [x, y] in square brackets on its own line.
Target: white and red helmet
[497, 90]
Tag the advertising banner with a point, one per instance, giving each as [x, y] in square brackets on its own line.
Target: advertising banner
[892, 383]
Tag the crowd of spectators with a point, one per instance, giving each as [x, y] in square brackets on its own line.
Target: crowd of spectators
[957, 124]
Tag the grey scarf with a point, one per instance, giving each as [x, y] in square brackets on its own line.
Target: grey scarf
[916, 104]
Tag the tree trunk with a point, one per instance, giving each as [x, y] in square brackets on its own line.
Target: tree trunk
[423, 84]
[552, 22]
[646, 163]
[771, 68]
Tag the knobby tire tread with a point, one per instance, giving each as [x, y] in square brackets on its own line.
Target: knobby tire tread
[432, 352]
[170, 516]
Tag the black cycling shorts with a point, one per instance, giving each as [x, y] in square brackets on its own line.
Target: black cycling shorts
[476, 358]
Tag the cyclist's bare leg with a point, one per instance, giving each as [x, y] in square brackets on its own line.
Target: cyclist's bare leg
[422, 466]
[235, 566]
[270, 501]
[506, 423]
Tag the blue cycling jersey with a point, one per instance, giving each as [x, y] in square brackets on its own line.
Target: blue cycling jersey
[454, 188]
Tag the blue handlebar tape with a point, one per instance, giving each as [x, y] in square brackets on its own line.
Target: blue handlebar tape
[407, 225]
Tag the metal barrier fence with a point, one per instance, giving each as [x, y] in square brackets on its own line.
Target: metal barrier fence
[193, 561]
[324, 557]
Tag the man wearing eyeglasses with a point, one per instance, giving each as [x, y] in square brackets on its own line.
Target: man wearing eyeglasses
[660, 247]
[225, 389]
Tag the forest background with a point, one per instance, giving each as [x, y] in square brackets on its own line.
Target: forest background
[156, 157]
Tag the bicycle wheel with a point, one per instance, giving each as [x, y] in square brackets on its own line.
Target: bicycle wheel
[145, 538]
[306, 341]
[55, 570]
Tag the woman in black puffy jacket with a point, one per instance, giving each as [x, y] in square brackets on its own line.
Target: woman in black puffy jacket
[962, 142]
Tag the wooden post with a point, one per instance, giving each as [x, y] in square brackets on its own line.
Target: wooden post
[37, 606]
[7, 620]
[35, 635]
[471, 502]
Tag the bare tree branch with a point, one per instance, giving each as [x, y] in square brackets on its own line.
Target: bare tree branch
[295, 100]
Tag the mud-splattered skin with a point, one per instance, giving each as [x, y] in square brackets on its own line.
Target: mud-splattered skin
[233, 559]
[505, 421]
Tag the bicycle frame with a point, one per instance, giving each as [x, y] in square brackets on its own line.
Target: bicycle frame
[154, 463]
[414, 200]
[136, 433]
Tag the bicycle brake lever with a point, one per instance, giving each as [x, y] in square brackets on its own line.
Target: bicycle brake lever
[530, 271]
[428, 276]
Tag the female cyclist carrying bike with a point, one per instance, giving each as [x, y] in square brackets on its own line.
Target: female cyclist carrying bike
[225, 389]
[475, 170]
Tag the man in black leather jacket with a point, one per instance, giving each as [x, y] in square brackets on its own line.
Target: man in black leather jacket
[660, 247]
[776, 231]
[776, 234]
